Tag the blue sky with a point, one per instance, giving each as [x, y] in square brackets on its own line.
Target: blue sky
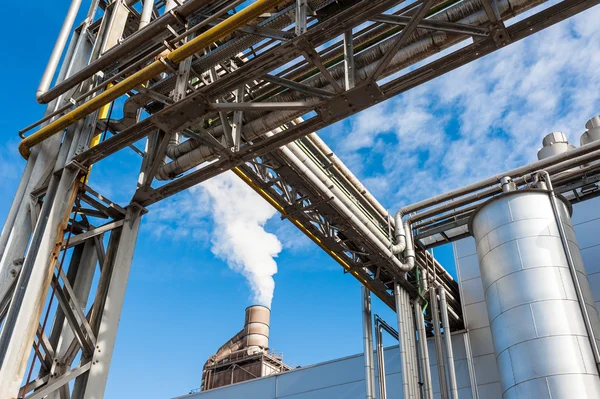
[186, 292]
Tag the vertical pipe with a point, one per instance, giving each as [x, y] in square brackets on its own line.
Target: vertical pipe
[472, 376]
[59, 47]
[380, 360]
[402, 347]
[146, 16]
[367, 320]
[448, 341]
[439, 352]
[409, 339]
[349, 75]
[572, 269]
[425, 370]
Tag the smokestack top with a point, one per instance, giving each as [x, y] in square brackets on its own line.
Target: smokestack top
[256, 327]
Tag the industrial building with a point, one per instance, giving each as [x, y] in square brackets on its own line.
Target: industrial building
[214, 85]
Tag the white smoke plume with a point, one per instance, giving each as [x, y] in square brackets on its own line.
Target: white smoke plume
[239, 236]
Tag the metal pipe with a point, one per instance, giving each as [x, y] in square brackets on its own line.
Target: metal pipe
[448, 342]
[492, 180]
[59, 47]
[572, 269]
[146, 16]
[380, 360]
[346, 208]
[439, 352]
[424, 351]
[367, 324]
[154, 29]
[472, 374]
[589, 155]
[176, 56]
[401, 345]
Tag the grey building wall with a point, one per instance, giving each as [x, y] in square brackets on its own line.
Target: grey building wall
[344, 378]
[340, 378]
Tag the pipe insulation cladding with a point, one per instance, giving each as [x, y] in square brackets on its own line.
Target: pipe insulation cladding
[540, 338]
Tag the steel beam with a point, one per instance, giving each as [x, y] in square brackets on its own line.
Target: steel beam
[26, 307]
[98, 374]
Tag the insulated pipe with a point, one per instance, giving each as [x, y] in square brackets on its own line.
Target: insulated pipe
[328, 152]
[367, 323]
[213, 34]
[59, 47]
[303, 170]
[439, 352]
[132, 42]
[337, 194]
[424, 351]
[146, 16]
[492, 180]
[448, 342]
[402, 345]
[565, 244]
[380, 360]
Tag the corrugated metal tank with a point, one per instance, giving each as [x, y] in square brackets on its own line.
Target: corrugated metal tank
[540, 340]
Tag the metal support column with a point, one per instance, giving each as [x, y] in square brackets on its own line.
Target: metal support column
[448, 342]
[28, 300]
[368, 343]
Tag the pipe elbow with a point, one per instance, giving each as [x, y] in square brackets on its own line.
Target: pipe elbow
[39, 96]
[24, 150]
[399, 234]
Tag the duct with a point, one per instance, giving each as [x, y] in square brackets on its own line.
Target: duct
[59, 47]
[448, 342]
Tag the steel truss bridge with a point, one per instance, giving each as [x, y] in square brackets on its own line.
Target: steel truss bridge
[210, 86]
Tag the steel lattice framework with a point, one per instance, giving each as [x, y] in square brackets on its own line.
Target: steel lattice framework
[210, 89]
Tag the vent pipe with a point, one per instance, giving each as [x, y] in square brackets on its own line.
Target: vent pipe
[593, 131]
[553, 144]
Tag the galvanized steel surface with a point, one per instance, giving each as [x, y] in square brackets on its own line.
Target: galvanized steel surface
[540, 340]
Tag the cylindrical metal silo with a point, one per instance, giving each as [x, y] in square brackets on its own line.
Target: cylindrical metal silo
[256, 327]
[540, 339]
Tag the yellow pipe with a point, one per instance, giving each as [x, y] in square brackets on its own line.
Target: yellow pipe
[194, 46]
[103, 114]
